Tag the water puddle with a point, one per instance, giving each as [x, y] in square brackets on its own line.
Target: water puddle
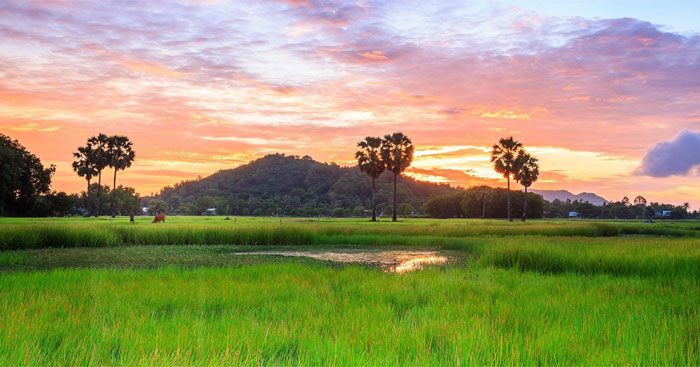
[390, 261]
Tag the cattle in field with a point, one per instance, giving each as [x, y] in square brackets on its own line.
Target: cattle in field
[159, 218]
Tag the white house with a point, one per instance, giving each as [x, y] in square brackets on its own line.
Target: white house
[574, 215]
[210, 211]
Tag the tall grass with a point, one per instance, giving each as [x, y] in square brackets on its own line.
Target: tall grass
[294, 314]
[69, 234]
[659, 257]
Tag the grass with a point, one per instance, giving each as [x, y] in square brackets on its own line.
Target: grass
[539, 293]
[81, 232]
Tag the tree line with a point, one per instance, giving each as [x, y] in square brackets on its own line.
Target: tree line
[622, 209]
[297, 186]
[395, 153]
[100, 152]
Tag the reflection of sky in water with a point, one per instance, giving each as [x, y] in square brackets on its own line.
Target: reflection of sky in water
[390, 261]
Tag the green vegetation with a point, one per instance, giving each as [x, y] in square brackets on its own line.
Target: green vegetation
[295, 186]
[80, 232]
[541, 292]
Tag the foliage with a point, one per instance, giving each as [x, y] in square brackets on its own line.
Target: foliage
[506, 158]
[157, 206]
[616, 210]
[297, 186]
[470, 204]
[369, 161]
[22, 179]
[121, 156]
[397, 154]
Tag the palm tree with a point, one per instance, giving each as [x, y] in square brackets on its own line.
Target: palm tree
[397, 154]
[504, 158]
[640, 200]
[120, 158]
[625, 201]
[101, 160]
[84, 166]
[370, 162]
[686, 206]
[527, 174]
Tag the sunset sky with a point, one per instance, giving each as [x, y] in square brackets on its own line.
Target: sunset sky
[605, 93]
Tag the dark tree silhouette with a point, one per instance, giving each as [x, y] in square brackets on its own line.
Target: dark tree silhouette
[23, 178]
[397, 154]
[85, 166]
[370, 162]
[640, 200]
[101, 157]
[120, 158]
[504, 157]
[527, 174]
[485, 195]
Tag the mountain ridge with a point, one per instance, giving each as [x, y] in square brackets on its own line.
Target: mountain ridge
[563, 195]
[294, 185]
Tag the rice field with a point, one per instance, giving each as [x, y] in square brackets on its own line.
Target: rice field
[83, 292]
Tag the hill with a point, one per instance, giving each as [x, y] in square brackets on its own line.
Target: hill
[563, 195]
[296, 187]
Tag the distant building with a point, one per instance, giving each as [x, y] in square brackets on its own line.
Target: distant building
[574, 215]
[209, 212]
[666, 213]
[144, 210]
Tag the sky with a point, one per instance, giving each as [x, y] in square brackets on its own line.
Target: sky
[605, 93]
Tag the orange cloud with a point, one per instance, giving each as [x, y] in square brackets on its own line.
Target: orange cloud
[32, 126]
[286, 91]
[141, 66]
[374, 55]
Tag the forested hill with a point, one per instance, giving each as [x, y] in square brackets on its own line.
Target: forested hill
[298, 187]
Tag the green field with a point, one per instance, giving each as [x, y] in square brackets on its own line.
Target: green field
[83, 292]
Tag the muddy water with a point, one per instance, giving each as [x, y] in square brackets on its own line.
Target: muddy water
[390, 261]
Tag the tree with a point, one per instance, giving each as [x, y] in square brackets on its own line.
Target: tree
[85, 166]
[101, 160]
[505, 160]
[485, 196]
[527, 174]
[406, 209]
[120, 157]
[22, 178]
[157, 206]
[640, 200]
[370, 161]
[397, 154]
[625, 201]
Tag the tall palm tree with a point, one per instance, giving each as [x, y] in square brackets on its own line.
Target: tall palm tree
[100, 145]
[370, 161]
[397, 154]
[504, 157]
[84, 166]
[527, 174]
[120, 158]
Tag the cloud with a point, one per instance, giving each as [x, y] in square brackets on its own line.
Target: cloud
[676, 157]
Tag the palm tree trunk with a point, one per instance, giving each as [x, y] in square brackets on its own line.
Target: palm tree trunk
[114, 187]
[525, 205]
[510, 213]
[393, 219]
[87, 198]
[374, 204]
[99, 191]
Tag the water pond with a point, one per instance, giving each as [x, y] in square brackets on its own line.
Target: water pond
[390, 261]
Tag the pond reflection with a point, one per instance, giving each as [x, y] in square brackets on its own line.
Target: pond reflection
[390, 261]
